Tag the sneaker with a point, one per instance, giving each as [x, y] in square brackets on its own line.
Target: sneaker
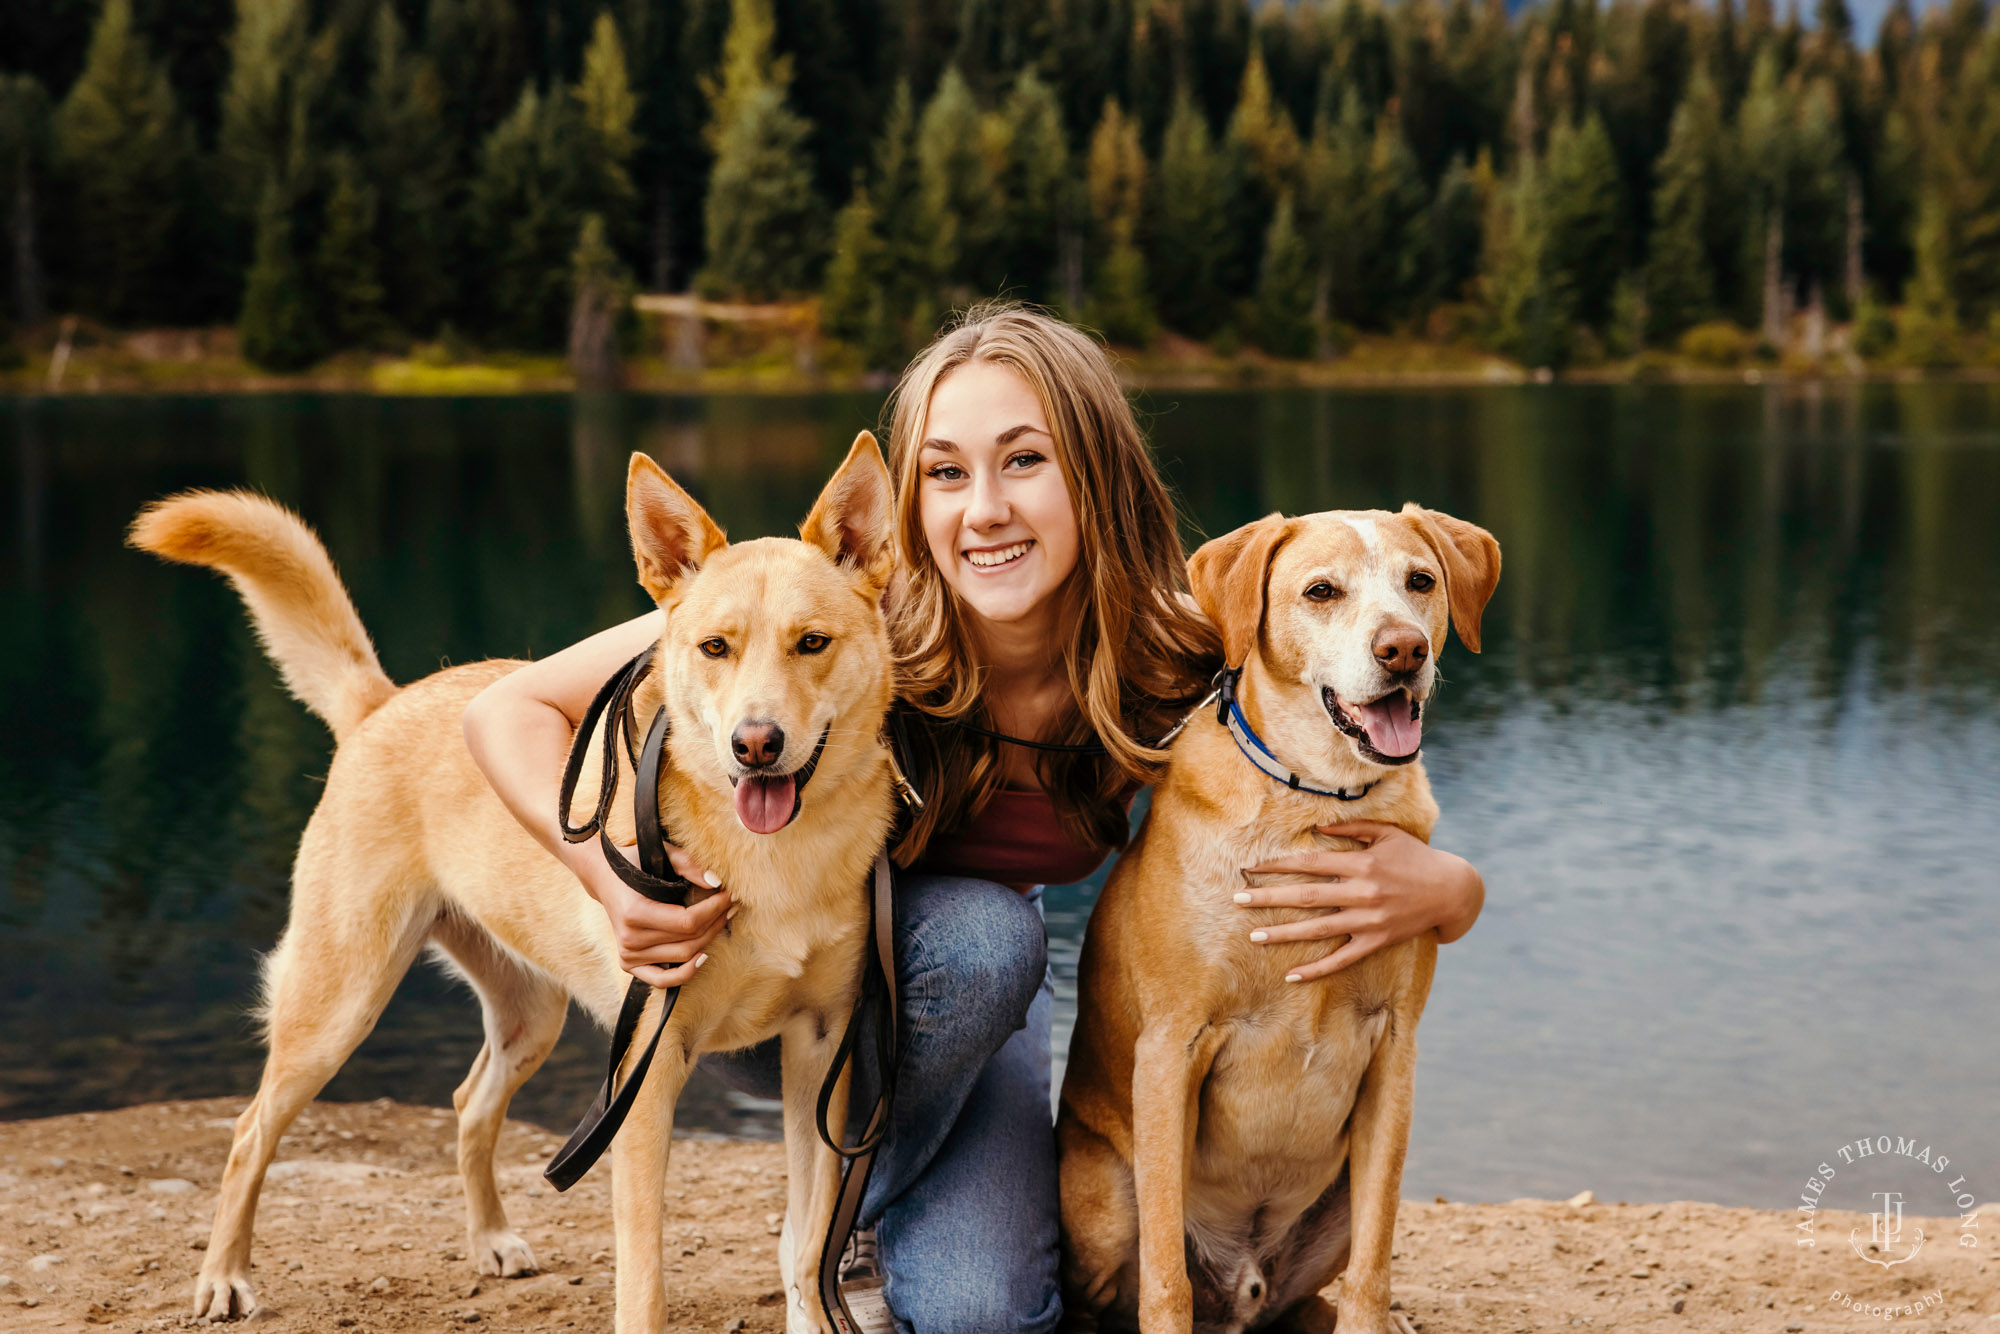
[861, 1285]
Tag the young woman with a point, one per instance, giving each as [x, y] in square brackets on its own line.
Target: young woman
[1044, 639]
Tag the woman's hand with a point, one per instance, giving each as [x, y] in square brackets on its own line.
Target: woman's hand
[661, 944]
[518, 732]
[1393, 888]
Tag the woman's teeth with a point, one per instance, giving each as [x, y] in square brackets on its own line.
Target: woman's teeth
[986, 559]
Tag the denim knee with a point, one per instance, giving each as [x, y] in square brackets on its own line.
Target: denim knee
[978, 946]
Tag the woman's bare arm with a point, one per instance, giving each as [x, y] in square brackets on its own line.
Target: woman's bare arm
[518, 730]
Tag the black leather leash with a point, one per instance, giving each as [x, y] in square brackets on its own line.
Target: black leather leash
[655, 878]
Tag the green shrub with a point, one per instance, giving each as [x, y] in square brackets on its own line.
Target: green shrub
[1715, 343]
[1874, 330]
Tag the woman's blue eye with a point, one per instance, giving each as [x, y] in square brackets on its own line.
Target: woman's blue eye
[1026, 460]
[944, 472]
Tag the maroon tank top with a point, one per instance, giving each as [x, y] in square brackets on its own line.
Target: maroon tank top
[1016, 840]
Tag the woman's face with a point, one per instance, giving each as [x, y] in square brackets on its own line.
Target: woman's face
[995, 509]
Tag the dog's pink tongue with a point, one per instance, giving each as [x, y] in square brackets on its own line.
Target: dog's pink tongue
[1391, 729]
[764, 805]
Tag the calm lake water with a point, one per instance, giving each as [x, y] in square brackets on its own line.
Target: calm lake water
[1730, 763]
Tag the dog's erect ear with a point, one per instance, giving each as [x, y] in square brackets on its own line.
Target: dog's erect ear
[1471, 560]
[671, 534]
[1227, 576]
[854, 519]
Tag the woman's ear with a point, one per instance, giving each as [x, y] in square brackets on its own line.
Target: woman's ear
[1228, 576]
[1471, 560]
[854, 519]
[671, 533]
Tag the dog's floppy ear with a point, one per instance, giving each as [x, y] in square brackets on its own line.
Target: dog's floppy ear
[854, 519]
[671, 534]
[1227, 576]
[1471, 560]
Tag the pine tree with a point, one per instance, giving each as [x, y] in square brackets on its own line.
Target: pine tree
[606, 105]
[277, 327]
[1120, 304]
[1965, 174]
[348, 261]
[762, 214]
[122, 146]
[277, 74]
[24, 151]
[1452, 232]
[1394, 224]
[1188, 224]
[958, 182]
[1333, 199]
[525, 217]
[1533, 303]
[1927, 331]
[1284, 325]
[1260, 160]
[1680, 277]
[1582, 198]
[851, 299]
[909, 236]
[411, 164]
[601, 295]
[1031, 188]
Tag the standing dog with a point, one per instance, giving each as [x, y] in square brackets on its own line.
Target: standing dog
[774, 653]
[1231, 1142]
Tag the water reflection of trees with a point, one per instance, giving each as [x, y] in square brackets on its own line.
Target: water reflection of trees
[1693, 547]
[1684, 543]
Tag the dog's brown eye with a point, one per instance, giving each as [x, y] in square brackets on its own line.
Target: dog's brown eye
[1421, 582]
[715, 648]
[813, 643]
[1323, 592]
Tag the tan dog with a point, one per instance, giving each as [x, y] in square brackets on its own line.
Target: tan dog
[1215, 1119]
[409, 847]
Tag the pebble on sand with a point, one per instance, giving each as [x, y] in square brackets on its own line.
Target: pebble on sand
[170, 1186]
[1581, 1198]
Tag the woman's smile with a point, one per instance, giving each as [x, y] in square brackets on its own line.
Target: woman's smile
[989, 560]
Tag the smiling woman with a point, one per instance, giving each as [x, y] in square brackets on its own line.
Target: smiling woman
[1043, 639]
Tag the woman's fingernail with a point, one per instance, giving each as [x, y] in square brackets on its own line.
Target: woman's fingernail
[730, 916]
[1293, 977]
[1260, 936]
[714, 880]
[701, 959]
[1242, 898]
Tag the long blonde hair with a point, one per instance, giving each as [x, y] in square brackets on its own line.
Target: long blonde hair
[1135, 653]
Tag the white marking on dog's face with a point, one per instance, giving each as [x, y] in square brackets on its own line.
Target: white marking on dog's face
[1355, 604]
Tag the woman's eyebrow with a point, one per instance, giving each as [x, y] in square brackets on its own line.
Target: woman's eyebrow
[1013, 433]
[945, 446]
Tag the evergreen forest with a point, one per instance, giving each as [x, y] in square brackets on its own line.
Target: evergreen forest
[1567, 182]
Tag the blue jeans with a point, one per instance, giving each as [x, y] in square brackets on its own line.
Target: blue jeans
[963, 1194]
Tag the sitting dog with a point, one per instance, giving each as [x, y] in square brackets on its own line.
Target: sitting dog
[1230, 1141]
[409, 847]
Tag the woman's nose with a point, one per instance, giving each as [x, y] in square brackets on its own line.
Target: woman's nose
[988, 507]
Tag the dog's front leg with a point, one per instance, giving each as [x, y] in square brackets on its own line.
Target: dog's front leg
[1379, 1137]
[639, 1177]
[812, 1170]
[1169, 1063]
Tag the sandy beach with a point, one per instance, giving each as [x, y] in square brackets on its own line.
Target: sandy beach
[103, 1217]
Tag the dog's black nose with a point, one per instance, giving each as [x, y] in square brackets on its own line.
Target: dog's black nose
[757, 744]
[1401, 648]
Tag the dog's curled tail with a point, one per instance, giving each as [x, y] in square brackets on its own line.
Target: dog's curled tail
[303, 615]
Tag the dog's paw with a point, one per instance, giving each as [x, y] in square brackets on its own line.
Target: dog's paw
[223, 1297]
[503, 1255]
